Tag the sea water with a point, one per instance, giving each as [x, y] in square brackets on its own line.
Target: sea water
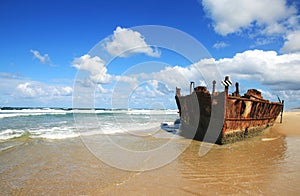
[61, 124]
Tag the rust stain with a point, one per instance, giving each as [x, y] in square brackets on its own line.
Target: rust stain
[225, 117]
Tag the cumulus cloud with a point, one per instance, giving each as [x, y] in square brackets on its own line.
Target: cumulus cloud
[95, 66]
[158, 84]
[143, 89]
[29, 91]
[257, 18]
[148, 94]
[292, 43]
[17, 90]
[44, 59]
[38, 90]
[126, 42]
[160, 87]
[230, 16]
[278, 72]
[291, 97]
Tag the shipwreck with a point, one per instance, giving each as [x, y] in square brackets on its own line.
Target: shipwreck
[220, 117]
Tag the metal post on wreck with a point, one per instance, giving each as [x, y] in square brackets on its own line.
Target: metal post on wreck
[281, 113]
[237, 90]
[214, 87]
[192, 86]
[226, 83]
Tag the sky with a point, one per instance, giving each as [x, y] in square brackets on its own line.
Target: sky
[133, 54]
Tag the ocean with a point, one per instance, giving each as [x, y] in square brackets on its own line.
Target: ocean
[50, 123]
[48, 151]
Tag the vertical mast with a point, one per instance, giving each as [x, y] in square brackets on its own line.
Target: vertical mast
[192, 86]
[214, 87]
[226, 83]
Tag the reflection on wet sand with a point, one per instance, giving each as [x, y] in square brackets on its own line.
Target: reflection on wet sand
[244, 167]
[264, 165]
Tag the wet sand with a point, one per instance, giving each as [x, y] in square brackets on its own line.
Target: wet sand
[268, 164]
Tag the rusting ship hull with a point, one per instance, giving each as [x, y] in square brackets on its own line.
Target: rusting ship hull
[221, 118]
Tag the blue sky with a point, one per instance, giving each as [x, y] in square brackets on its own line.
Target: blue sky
[45, 44]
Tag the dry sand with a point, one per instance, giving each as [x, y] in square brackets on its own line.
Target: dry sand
[290, 125]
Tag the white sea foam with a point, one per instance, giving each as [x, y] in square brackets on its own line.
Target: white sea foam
[47, 133]
[125, 121]
[35, 112]
[63, 132]
[10, 133]
[30, 112]
[152, 112]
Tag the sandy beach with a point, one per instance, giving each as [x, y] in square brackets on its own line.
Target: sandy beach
[102, 97]
[267, 164]
[291, 123]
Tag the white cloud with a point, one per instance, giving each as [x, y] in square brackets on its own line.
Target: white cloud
[66, 90]
[262, 41]
[95, 66]
[278, 72]
[273, 29]
[127, 79]
[290, 96]
[219, 45]
[126, 42]
[28, 91]
[231, 16]
[292, 43]
[100, 89]
[160, 83]
[161, 87]
[268, 18]
[33, 89]
[44, 59]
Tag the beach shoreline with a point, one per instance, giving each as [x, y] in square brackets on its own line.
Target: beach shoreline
[253, 166]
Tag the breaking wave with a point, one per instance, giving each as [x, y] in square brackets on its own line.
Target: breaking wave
[62, 124]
